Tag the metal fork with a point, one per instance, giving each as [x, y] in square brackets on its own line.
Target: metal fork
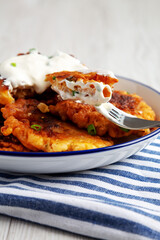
[124, 119]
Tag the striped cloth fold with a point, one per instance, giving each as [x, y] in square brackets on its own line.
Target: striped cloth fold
[120, 201]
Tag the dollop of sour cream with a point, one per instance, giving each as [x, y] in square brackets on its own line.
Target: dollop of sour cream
[29, 71]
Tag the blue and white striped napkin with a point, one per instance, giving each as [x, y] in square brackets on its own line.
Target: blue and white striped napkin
[118, 202]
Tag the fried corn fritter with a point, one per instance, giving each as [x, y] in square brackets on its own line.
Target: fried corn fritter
[5, 95]
[132, 104]
[11, 143]
[83, 114]
[39, 131]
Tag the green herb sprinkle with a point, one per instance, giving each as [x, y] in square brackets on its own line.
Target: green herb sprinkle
[124, 129]
[13, 64]
[32, 49]
[36, 127]
[91, 129]
[74, 92]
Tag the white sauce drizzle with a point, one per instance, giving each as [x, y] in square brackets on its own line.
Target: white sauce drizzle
[29, 71]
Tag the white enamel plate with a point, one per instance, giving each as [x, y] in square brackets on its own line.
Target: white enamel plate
[82, 160]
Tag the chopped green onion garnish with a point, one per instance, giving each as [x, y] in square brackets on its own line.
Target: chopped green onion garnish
[128, 93]
[91, 129]
[50, 57]
[74, 92]
[32, 49]
[54, 78]
[36, 127]
[124, 129]
[13, 64]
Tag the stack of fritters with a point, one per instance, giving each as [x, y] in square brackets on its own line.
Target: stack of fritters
[39, 131]
[47, 123]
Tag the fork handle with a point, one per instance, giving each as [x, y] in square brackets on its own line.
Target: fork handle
[156, 123]
[142, 123]
[131, 121]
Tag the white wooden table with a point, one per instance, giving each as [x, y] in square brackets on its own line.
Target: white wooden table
[118, 35]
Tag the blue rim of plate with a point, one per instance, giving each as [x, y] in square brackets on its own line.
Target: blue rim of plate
[90, 151]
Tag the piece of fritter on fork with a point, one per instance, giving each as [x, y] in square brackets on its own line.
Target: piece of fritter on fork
[39, 131]
[90, 87]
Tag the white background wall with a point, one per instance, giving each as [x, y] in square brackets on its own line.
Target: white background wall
[118, 35]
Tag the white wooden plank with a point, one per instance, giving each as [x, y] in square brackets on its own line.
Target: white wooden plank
[4, 227]
[29, 231]
[119, 35]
